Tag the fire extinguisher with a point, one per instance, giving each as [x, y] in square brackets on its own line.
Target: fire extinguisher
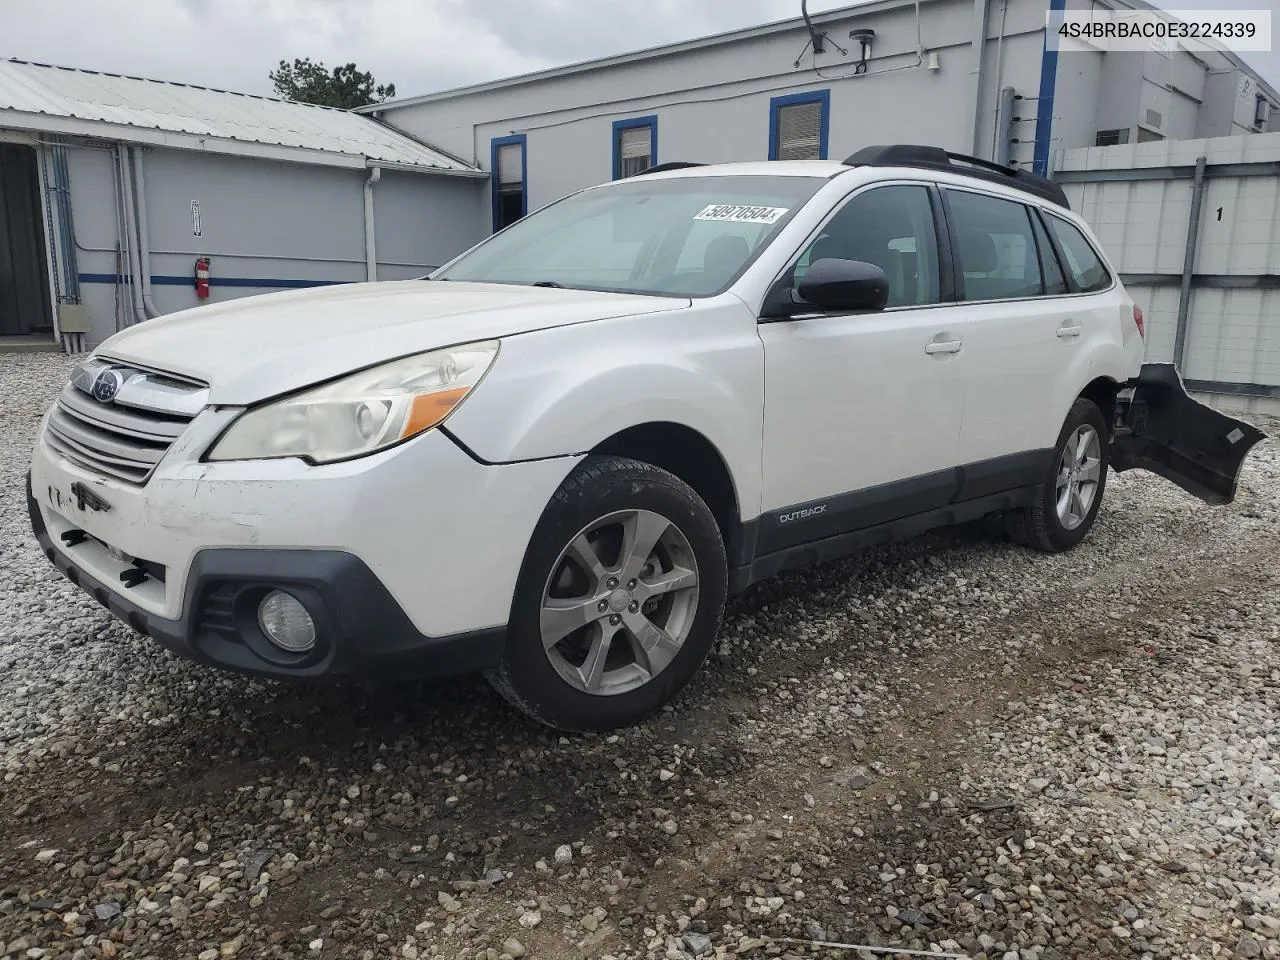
[202, 278]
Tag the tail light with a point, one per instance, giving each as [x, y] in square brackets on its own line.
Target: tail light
[1139, 322]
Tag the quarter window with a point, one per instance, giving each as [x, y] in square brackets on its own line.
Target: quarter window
[1055, 283]
[995, 247]
[891, 227]
[1088, 272]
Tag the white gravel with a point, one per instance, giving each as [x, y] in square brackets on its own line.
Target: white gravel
[950, 745]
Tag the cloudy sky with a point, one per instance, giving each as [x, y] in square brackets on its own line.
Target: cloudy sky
[420, 45]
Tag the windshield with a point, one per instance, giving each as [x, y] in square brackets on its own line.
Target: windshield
[683, 236]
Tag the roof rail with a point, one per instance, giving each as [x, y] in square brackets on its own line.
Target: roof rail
[935, 158]
[672, 165]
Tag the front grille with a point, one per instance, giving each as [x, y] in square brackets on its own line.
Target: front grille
[120, 420]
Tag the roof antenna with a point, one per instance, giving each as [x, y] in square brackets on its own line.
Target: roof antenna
[817, 38]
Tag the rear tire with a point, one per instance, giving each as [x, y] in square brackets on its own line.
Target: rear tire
[619, 599]
[1067, 501]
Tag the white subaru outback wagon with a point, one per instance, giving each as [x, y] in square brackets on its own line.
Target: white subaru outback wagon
[556, 457]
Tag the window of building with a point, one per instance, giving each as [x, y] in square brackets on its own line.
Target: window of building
[1261, 112]
[798, 126]
[1111, 138]
[635, 146]
[891, 227]
[995, 247]
[1088, 272]
[1148, 136]
[508, 170]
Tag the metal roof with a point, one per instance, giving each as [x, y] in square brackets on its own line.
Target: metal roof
[63, 100]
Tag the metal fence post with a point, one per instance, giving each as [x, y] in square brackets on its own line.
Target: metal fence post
[1189, 262]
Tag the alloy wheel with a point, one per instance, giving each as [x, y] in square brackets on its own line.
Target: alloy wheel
[1079, 471]
[620, 602]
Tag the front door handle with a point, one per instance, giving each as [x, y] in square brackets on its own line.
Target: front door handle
[934, 347]
[1069, 330]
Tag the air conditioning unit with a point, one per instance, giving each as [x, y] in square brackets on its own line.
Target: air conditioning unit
[1261, 112]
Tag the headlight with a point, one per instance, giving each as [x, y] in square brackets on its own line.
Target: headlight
[361, 413]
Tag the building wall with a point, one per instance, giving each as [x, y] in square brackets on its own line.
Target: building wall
[265, 226]
[424, 221]
[1218, 117]
[1121, 78]
[712, 104]
[1245, 104]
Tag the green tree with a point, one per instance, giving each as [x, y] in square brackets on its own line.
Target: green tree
[346, 86]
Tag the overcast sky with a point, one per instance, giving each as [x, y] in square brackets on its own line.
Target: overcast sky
[420, 45]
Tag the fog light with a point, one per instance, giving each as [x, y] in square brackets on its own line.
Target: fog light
[286, 622]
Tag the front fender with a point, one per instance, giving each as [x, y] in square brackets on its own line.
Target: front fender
[564, 391]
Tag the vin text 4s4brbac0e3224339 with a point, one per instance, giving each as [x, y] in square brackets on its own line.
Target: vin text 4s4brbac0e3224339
[556, 457]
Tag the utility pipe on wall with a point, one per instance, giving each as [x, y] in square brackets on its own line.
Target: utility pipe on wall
[977, 67]
[144, 240]
[370, 230]
[131, 236]
[1189, 262]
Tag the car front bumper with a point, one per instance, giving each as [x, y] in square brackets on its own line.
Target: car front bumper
[406, 560]
[360, 629]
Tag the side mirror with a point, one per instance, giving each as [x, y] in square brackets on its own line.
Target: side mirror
[844, 285]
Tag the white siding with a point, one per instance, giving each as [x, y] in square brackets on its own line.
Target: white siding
[1233, 334]
[266, 225]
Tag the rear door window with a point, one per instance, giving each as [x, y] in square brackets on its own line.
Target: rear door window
[1088, 272]
[995, 247]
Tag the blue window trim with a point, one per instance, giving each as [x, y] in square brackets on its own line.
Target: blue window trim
[1048, 85]
[650, 121]
[494, 144]
[813, 96]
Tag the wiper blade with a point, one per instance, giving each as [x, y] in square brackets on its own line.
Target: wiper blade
[548, 283]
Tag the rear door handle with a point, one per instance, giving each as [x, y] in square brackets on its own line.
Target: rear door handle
[942, 346]
[1069, 330]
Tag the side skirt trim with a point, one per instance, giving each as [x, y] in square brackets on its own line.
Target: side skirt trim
[803, 523]
[841, 545]
[838, 525]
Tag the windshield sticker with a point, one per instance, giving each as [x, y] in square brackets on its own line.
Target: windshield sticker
[741, 213]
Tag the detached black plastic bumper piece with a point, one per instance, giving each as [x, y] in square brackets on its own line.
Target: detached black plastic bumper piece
[360, 629]
[1165, 431]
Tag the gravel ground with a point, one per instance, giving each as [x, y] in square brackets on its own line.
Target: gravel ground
[951, 745]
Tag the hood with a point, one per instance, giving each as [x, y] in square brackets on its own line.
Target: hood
[257, 347]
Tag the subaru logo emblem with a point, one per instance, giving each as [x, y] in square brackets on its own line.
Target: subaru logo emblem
[106, 385]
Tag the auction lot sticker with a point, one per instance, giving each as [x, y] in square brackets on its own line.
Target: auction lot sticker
[741, 213]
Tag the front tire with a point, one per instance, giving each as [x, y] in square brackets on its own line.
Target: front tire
[1066, 503]
[619, 599]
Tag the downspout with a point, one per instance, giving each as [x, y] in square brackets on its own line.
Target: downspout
[370, 230]
[131, 236]
[977, 67]
[144, 239]
[1189, 262]
[998, 127]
